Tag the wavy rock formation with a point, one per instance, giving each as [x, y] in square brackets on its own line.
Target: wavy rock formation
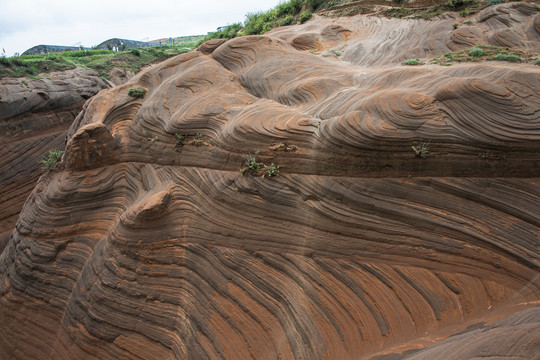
[34, 118]
[375, 41]
[516, 335]
[143, 244]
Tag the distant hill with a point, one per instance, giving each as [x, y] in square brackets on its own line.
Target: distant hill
[121, 44]
[47, 49]
[124, 44]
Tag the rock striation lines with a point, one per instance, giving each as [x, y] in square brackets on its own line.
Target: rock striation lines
[146, 242]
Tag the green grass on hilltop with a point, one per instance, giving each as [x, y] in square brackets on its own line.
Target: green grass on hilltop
[465, 8]
[102, 61]
[257, 23]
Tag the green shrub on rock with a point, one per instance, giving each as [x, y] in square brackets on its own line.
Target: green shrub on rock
[411, 62]
[287, 20]
[458, 4]
[136, 92]
[476, 52]
[305, 16]
[51, 160]
[315, 4]
[507, 57]
[494, 2]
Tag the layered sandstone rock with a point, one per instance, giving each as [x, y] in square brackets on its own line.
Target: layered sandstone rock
[514, 337]
[142, 245]
[34, 118]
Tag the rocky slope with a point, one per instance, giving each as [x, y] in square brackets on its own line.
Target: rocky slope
[142, 244]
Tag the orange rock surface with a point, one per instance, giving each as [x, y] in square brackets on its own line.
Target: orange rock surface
[143, 246]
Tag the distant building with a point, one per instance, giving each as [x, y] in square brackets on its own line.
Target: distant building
[222, 28]
[47, 49]
[124, 44]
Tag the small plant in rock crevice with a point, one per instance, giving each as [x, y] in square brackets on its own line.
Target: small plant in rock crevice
[280, 146]
[490, 156]
[255, 168]
[252, 165]
[180, 139]
[421, 150]
[52, 158]
[271, 170]
[185, 139]
[198, 140]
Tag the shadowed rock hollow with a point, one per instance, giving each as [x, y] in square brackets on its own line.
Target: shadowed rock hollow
[143, 246]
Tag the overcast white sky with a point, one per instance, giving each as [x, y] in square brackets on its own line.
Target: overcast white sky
[26, 23]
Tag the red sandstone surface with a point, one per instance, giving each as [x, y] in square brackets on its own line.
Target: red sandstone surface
[139, 246]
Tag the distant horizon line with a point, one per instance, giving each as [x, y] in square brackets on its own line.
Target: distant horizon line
[75, 47]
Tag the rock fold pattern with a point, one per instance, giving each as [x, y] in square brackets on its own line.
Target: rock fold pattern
[146, 242]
